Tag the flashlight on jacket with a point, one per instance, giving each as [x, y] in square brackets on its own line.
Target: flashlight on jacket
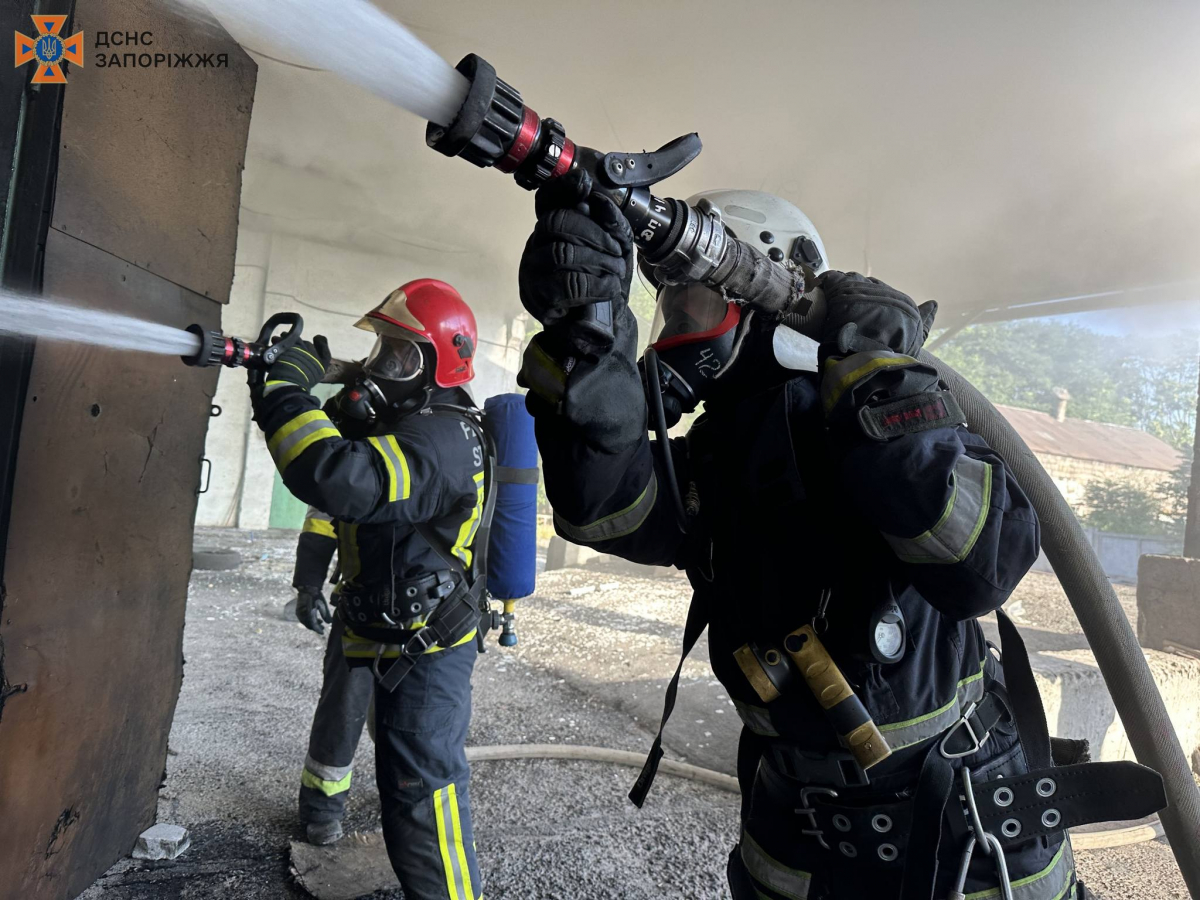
[217, 349]
[681, 244]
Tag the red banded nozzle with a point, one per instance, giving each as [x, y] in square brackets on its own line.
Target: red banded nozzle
[217, 349]
[494, 127]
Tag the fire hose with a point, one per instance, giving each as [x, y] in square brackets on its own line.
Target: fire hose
[682, 244]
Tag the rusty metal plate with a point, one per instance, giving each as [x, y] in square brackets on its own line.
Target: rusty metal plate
[151, 158]
[98, 562]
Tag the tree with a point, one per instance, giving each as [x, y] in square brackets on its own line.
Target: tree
[1148, 383]
[1124, 507]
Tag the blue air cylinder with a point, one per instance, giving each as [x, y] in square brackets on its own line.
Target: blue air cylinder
[512, 549]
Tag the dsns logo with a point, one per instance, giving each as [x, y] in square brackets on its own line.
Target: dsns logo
[49, 50]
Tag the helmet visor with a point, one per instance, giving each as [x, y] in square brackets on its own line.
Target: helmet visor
[690, 312]
[393, 359]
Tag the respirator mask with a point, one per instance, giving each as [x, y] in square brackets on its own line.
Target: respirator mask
[695, 337]
[390, 383]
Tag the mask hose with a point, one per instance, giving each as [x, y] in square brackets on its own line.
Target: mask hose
[654, 394]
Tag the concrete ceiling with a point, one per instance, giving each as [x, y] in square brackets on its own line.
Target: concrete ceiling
[983, 155]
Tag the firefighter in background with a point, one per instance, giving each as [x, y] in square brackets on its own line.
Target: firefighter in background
[345, 692]
[403, 477]
[832, 488]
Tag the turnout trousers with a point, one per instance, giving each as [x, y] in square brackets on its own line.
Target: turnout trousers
[422, 773]
[336, 729]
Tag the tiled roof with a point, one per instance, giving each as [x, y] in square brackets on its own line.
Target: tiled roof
[1098, 441]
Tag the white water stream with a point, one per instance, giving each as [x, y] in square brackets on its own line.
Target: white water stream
[52, 320]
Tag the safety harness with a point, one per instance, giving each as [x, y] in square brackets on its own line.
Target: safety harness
[1061, 790]
[454, 601]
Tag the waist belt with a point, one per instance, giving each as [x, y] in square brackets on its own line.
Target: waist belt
[841, 770]
[413, 598]
[452, 619]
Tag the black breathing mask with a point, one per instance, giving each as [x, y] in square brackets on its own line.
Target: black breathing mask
[391, 382]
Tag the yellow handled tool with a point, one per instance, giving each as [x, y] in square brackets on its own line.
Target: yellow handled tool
[846, 712]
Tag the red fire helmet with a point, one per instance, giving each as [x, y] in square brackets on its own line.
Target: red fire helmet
[430, 310]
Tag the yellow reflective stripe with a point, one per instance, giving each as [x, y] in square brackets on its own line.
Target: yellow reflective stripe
[298, 434]
[391, 468]
[293, 425]
[319, 526]
[364, 648]
[837, 381]
[391, 439]
[466, 532]
[954, 534]
[615, 525]
[399, 482]
[328, 788]
[771, 873]
[1028, 888]
[911, 732]
[458, 843]
[443, 846]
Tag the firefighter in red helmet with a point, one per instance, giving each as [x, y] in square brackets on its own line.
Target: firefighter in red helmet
[396, 461]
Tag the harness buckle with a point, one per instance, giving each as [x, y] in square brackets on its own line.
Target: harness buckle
[977, 741]
[418, 643]
[806, 810]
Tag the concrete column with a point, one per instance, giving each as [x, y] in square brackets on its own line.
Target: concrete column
[226, 444]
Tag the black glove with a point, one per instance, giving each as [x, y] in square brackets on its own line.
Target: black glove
[303, 365]
[864, 314]
[580, 253]
[311, 609]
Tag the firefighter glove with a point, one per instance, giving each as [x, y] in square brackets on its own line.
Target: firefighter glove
[312, 610]
[303, 365]
[580, 253]
[864, 314]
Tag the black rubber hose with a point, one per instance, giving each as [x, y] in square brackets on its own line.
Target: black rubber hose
[654, 391]
[1120, 657]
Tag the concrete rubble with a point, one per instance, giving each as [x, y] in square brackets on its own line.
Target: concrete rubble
[162, 841]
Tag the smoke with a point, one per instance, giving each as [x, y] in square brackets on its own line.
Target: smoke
[976, 154]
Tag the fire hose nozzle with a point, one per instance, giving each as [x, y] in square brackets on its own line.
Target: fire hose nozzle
[217, 349]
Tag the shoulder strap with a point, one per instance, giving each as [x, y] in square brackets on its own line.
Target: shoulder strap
[697, 620]
[438, 546]
[478, 572]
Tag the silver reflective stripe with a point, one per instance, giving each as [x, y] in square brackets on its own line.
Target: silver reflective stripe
[756, 718]
[324, 772]
[951, 539]
[314, 513]
[772, 873]
[913, 731]
[1052, 883]
[619, 524]
[295, 436]
[843, 374]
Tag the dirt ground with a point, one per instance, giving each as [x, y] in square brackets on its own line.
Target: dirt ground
[595, 652]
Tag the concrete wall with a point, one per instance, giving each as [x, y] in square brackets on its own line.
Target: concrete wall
[1119, 554]
[1072, 476]
[331, 287]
